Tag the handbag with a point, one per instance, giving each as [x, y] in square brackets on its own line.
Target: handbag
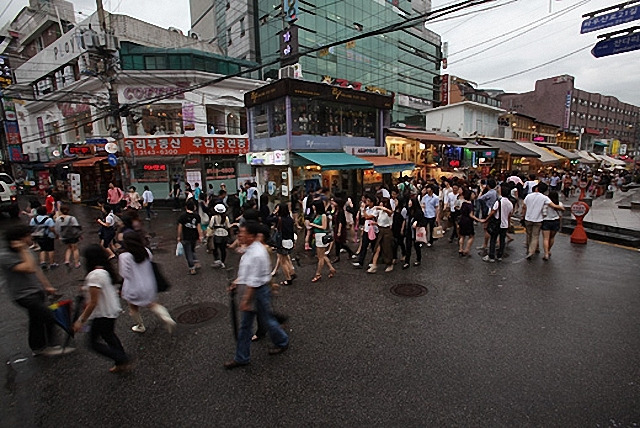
[421, 234]
[327, 238]
[493, 224]
[438, 232]
[161, 282]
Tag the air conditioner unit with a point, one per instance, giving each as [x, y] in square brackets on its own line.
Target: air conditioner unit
[194, 35]
[291, 71]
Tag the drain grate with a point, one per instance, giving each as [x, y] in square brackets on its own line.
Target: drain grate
[196, 313]
[409, 290]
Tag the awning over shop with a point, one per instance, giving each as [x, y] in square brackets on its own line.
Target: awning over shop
[600, 143]
[57, 162]
[564, 152]
[611, 161]
[335, 160]
[545, 155]
[88, 162]
[386, 165]
[474, 146]
[511, 148]
[585, 157]
[427, 137]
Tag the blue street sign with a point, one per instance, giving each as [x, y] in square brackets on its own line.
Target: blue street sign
[96, 141]
[616, 45]
[612, 19]
[112, 159]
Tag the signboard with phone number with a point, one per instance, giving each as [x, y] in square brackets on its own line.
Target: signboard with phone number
[171, 146]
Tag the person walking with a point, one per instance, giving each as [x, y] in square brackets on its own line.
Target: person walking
[114, 197]
[254, 275]
[502, 210]
[431, 207]
[551, 224]
[27, 285]
[320, 225]
[139, 286]
[466, 220]
[452, 208]
[532, 212]
[370, 230]
[415, 219]
[133, 199]
[398, 228]
[107, 231]
[50, 203]
[70, 232]
[45, 233]
[384, 244]
[176, 192]
[488, 199]
[219, 226]
[340, 230]
[284, 226]
[102, 309]
[147, 202]
[189, 233]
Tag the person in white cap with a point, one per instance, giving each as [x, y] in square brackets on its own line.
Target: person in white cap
[219, 226]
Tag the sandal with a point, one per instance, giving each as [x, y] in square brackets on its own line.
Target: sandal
[316, 278]
[332, 273]
[287, 282]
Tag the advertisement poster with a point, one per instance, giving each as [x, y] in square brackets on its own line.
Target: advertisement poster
[188, 117]
[76, 187]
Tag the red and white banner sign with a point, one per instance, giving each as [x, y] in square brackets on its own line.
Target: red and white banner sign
[170, 146]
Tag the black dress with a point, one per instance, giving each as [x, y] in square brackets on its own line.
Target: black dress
[465, 222]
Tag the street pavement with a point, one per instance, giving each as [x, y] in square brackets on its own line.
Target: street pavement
[515, 343]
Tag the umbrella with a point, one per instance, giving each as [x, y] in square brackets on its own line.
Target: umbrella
[515, 179]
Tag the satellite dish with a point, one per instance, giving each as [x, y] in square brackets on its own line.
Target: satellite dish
[111, 148]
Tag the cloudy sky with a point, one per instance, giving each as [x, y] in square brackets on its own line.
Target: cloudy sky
[537, 35]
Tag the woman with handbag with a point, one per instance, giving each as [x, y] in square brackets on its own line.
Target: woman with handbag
[218, 230]
[466, 230]
[415, 220]
[284, 227]
[384, 245]
[103, 308]
[320, 227]
[139, 287]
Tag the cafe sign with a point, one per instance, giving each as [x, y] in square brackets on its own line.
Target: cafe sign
[276, 157]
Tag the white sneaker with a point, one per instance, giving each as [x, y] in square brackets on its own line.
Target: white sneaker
[139, 328]
[372, 269]
[222, 266]
[170, 325]
[342, 250]
[389, 268]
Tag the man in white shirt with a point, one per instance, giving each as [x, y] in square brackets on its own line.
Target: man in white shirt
[502, 210]
[450, 208]
[147, 202]
[532, 212]
[430, 204]
[254, 273]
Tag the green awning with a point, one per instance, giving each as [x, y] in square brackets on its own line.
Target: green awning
[335, 160]
[600, 143]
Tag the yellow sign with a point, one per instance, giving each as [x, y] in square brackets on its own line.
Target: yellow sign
[615, 147]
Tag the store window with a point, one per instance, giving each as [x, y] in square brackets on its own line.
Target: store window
[216, 120]
[327, 118]
[152, 173]
[162, 119]
[221, 169]
[233, 123]
[270, 119]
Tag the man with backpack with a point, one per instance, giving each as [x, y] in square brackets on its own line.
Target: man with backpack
[70, 231]
[43, 231]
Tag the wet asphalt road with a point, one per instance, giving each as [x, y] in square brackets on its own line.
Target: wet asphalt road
[508, 344]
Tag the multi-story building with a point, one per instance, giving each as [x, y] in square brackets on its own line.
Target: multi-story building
[174, 124]
[593, 118]
[405, 62]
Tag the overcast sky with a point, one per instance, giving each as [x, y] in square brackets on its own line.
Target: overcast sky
[553, 36]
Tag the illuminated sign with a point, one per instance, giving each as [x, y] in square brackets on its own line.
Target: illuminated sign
[79, 150]
[454, 163]
[169, 146]
[154, 167]
[289, 45]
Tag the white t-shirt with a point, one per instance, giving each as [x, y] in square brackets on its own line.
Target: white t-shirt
[505, 210]
[367, 224]
[384, 219]
[147, 197]
[552, 213]
[535, 203]
[451, 201]
[108, 304]
[385, 193]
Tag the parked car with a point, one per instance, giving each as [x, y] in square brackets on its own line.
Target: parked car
[9, 198]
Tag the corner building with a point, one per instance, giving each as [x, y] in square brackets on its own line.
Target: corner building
[404, 62]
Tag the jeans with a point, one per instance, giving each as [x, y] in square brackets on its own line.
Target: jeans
[416, 245]
[149, 209]
[220, 250]
[454, 221]
[190, 252]
[262, 299]
[339, 246]
[492, 243]
[41, 320]
[533, 236]
[103, 328]
[431, 223]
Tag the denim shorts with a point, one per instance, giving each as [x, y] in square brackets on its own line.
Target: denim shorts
[553, 225]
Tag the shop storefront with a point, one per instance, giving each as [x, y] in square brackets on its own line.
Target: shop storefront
[546, 161]
[299, 131]
[94, 175]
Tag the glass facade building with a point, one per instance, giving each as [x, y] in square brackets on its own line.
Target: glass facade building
[406, 62]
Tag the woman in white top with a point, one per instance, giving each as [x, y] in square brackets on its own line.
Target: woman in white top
[550, 224]
[218, 231]
[384, 244]
[103, 308]
[139, 286]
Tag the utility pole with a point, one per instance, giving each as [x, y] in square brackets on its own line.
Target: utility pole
[110, 74]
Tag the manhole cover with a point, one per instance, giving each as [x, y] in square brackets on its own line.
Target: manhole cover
[409, 290]
[196, 313]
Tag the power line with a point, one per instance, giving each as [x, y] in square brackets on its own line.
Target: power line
[536, 67]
